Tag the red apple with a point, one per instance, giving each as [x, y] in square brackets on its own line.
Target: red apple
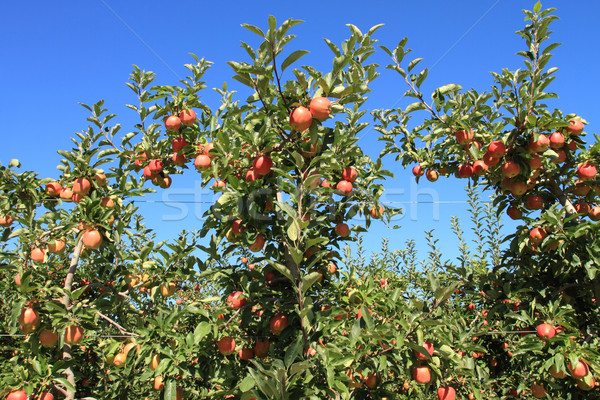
[349, 174]
[226, 345]
[514, 212]
[202, 162]
[178, 144]
[342, 230]
[173, 123]
[540, 145]
[261, 348]
[557, 140]
[446, 393]
[187, 117]
[262, 165]
[344, 187]
[53, 189]
[586, 171]
[236, 300]
[81, 186]
[300, 119]
[510, 169]
[537, 235]
[418, 170]
[465, 171]
[496, 149]
[278, 323]
[421, 374]
[427, 346]
[480, 167]
[580, 370]
[431, 175]
[464, 136]
[575, 128]
[258, 243]
[320, 108]
[534, 202]
[545, 331]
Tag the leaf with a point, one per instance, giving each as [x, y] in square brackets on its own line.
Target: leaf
[293, 231]
[414, 107]
[170, 390]
[367, 317]
[247, 383]
[254, 29]
[292, 58]
[293, 351]
[414, 63]
[452, 87]
[309, 280]
[201, 330]
[537, 7]
[285, 271]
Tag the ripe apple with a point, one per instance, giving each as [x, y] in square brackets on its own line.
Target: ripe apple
[261, 348]
[372, 381]
[173, 123]
[246, 353]
[534, 202]
[100, 179]
[418, 170]
[226, 345]
[262, 165]
[562, 156]
[594, 213]
[344, 187]
[6, 220]
[158, 383]
[558, 374]
[92, 239]
[37, 255]
[581, 189]
[29, 316]
[187, 117]
[496, 149]
[81, 186]
[427, 346]
[179, 159]
[202, 162]
[53, 189]
[178, 144]
[278, 323]
[376, 212]
[155, 166]
[209, 150]
[165, 182]
[46, 396]
[251, 175]
[510, 169]
[154, 361]
[464, 136]
[480, 167]
[535, 162]
[465, 171]
[540, 145]
[582, 208]
[557, 140]
[17, 395]
[300, 119]
[538, 391]
[545, 331]
[490, 160]
[140, 159]
[258, 243]
[73, 334]
[119, 359]
[537, 235]
[421, 374]
[580, 370]
[236, 300]
[575, 128]
[320, 108]
[342, 230]
[446, 393]
[586, 384]
[586, 171]
[431, 175]
[168, 289]
[518, 188]
[349, 174]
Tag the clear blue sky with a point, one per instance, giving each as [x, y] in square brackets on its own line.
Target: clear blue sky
[54, 55]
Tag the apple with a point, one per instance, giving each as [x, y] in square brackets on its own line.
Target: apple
[535, 162]
[178, 144]
[6, 220]
[46, 396]
[518, 188]
[572, 145]
[514, 212]
[581, 189]
[586, 171]
[246, 353]
[575, 128]
[148, 173]
[158, 383]
[344, 187]
[179, 159]
[202, 162]
[187, 117]
[73, 334]
[251, 175]
[29, 316]
[226, 345]
[92, 239]
[594, 213]
[480, 167]
[37, 255]
[154, 361]
[465, 171]
[446, 393]
[562, 156]
[173, 123]
[100, 179]
[261, 348]
[464, 137]
[545, 331]
[208, 150]
[320, 108]
[496, 149]
[540, 145]
[17, 395]
[534, 202]
[119, 359]
[582, 208]
[349, 174]
[168, 289]
[376, 212]
[300, 119]
[427, 346]
[418, 170]
[278, 323]
[431, 175]
[342, 230]
[166, 182]
[580, 370]
[258, 243]
[81, 186]
[537, 235]
[236, 300]
[510, 169]
[53, 189]
[557, 140]
[140, 159]
[372, 381]
[490, 160]
[586, 384]
[538, 391]
[421, 374]
[262, 165]
[558, 374]
[155, 166]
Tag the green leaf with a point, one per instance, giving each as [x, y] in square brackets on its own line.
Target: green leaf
[309, 280]
[537, 7]
[414, 63]
[170, 390]
[414, 107]
[292, 58]
[452, 87]
[247, 383]
[254, 29]
[293, 351]
[367, 317]
[293, 231]
[201, 330]
[285, 271]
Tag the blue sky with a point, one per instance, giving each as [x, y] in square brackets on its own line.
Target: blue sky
[52, 57]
